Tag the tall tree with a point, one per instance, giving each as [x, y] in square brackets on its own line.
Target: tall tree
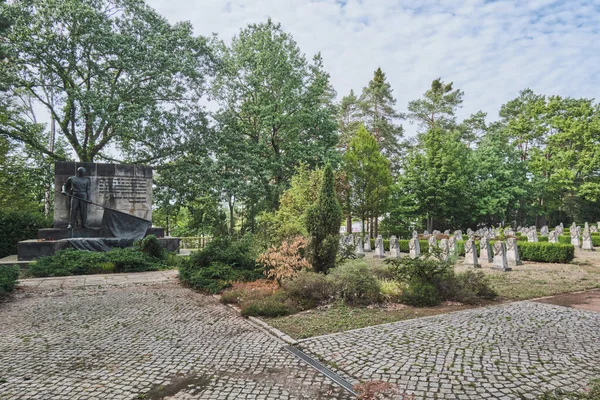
[369, 178]
[113, 74]
[377, 109]
[276, 106]
[437, 179]
[348, 119]
[438, 106]
[323, 221]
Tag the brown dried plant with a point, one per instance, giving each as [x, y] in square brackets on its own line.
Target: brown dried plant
[285, 261]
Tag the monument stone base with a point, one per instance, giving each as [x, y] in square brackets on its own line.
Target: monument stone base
[29, 250]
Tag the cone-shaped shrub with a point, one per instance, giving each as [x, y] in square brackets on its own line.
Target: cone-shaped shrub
[323, 221]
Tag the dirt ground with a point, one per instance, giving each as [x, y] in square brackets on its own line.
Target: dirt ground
[589, 301]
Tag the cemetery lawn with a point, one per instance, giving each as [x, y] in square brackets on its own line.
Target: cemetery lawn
[338, 317]
[532, 279]
[528, 281]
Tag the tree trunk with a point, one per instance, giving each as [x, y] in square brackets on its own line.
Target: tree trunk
[167, 227]
[231, 222]
[429, 224]
[376, 223]
[349, 223]
[371, 231]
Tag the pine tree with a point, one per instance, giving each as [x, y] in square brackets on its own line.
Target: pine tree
[377, 109]
[323, 222]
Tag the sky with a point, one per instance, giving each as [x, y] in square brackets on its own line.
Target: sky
[490, 49]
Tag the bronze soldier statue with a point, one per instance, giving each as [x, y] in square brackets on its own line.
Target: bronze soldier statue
[78, 187]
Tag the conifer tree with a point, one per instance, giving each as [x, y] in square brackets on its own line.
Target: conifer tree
[377, 109]
[323, 222]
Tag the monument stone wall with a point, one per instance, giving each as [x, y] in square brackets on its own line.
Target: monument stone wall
[126, 188]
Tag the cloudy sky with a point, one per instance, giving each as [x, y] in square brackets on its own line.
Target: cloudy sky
[489, 49]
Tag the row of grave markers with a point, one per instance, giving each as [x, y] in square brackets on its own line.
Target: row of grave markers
[503, 254]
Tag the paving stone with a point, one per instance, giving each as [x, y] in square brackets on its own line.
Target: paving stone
[117, 342]
[496, 352]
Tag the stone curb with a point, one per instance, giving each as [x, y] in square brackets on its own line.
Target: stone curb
[262, 325]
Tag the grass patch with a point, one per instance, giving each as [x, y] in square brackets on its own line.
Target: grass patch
[338, 317]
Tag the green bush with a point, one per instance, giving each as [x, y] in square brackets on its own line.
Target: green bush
[8, 279]
[546, 252]
[323, 220]
[386, 245]
[220, 263]
[271, 307]
[420, 294]
[309, 289]
[82, 262]
[354, 283]
[19, 225]
[428, 269]
[150, 245]
[466, 287]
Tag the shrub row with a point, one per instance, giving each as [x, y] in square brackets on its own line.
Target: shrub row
[16, 226]
[222, 262]
[8, 279]
[546, 252]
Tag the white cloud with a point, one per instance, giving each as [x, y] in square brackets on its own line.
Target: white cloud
[490, 49]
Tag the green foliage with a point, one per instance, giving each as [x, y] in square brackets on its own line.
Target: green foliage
[271, 307]
[323, 221]
[467, 287]
[82, 262]
[426, 269]
[546, 252]
[369, 177]
[137, 87]
[8, 279]
[420, 294]
[220, 263]
[390, 289]
[150, 245]
[309, 289]
[355, 283]
[377, 111]
[289, 220]
[16, 226]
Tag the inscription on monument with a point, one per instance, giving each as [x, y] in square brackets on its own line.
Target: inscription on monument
[126, 188]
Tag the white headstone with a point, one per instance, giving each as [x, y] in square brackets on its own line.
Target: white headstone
[485, 252]
[432, 243]
[500, 260]
[471, 254]
[379, 251]
[360, 251]
[553, 237]
[532, 236]
[445, 249]
[414, 248]
[367, 243]
[512, 252]
[394, 247]
[575, 237]
[587, 239]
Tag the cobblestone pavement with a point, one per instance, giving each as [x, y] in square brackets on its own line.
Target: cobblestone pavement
[133, 341]
[59, 282]
[500, 352]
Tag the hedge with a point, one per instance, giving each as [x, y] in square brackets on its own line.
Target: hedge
[540, 251]
[8, 279]
[546, 252]
[83, 262]
[19, 225]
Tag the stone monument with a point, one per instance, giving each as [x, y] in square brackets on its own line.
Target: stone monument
[544, 230]
[532, 236]
[471, 254]
[575, 237]
[512, 252]
[367, 243]
[500, 261]
[432, 243]
[553, 237]
[394, 247]
[445, 249]
[586, 243]
[414, 248]
[485, 253]
[379, 250]
[360, 251]
[96, 207]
